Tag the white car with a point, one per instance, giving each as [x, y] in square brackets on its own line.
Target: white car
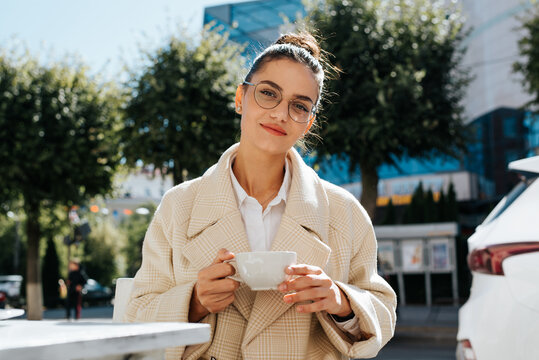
[500, 320]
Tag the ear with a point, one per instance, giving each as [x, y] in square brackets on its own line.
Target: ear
[310, 124]
[239, 95]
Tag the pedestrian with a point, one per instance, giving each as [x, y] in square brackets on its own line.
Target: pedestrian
[261, 196]
[76, 279]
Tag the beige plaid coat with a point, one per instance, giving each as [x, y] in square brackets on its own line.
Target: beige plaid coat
[324, 224]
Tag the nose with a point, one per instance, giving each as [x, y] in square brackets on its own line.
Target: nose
[280, 112]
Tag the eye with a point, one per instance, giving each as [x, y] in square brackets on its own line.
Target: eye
[300, 107]
[269, 93]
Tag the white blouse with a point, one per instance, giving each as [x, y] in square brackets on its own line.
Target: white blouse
[261, 226]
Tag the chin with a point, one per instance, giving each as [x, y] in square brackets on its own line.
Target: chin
[272, 146]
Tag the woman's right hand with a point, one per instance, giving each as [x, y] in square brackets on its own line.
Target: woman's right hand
[213, 291]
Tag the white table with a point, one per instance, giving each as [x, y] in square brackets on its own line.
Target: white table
[63, 340]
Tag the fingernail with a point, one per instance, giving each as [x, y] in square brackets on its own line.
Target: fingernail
[282, 287]
[299, 308]
[288, 299]
[288, 270]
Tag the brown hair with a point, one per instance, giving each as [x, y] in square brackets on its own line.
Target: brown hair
[301, 47]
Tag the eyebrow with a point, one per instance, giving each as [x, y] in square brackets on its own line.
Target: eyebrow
[297, 96]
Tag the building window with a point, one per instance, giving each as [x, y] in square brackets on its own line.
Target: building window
[511, 155]
[510, 127]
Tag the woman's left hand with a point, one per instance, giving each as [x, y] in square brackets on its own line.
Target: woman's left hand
[313, 284]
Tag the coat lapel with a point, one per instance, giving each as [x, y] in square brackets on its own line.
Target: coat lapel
[303, 229]
[216, 223]
[228, 232]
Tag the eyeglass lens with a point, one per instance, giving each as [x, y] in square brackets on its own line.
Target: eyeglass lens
[268, 97]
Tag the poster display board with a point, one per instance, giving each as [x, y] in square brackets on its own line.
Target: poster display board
[412, 255]
[440, 254]
[386, 256]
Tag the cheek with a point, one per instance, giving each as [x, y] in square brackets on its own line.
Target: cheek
[246, 123]
[242, 124]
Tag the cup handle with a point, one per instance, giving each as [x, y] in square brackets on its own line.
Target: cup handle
[236, 276]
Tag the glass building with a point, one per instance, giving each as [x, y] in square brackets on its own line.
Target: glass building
[255, 24]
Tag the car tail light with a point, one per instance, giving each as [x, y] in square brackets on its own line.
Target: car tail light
[2, 296]
[489, 260]
[465, 350]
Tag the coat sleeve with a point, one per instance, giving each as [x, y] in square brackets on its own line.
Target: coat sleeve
[157, 295]
[372, 300]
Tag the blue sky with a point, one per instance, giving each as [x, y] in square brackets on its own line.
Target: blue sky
[101, 32]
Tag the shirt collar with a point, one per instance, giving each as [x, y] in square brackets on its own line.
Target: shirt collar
[241, 194]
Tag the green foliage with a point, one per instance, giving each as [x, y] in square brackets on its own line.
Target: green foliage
[424, 209]
[400, 87]
[528, 47]
[415, 212]
[452, 210]
[50, 275]
[101, 251]
[441, 205]
[57, 142]
[431, 212]
[8, 240]
[135, 227]
[391, 216]
[180, 112]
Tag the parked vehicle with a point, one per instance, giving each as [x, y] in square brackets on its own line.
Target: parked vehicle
[93, 293]
[500, 320]
[10, 287]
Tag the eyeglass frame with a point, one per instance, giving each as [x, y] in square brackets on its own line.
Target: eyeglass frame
[312, 112]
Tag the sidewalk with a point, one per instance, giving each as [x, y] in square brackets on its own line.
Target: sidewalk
[438, 323]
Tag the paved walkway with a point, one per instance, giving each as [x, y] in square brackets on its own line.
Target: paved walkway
[436, 323]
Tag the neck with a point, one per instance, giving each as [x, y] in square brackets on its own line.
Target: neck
[259, 174]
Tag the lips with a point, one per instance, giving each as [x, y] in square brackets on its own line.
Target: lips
[274, 129]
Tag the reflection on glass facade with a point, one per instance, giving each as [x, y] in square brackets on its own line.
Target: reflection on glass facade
[499, 138]
[254, 23]
[531, 123]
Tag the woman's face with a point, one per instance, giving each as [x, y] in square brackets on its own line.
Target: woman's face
[273, 130]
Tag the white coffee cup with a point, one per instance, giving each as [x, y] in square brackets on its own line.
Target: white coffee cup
[262, 270]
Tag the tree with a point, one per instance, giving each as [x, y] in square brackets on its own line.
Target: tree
[57, 145]
[51, 274]
[400, 87]
[528, 47]
[100, 250]
[391, 216]
[13, 247]
[415, 211]
[135, 227]
[441, 205]
[180, 114]
[431, 212]
[452, 209]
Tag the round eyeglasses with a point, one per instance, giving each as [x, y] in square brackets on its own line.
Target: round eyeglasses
[268, 96]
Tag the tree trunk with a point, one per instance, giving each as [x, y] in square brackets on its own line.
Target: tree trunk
[34, 296]
[369, 191]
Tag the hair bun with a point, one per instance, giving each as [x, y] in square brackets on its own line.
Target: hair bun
[302, 40]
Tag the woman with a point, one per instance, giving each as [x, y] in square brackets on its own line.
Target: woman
[262, 196]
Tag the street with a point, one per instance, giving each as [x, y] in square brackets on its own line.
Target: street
[415, 349]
